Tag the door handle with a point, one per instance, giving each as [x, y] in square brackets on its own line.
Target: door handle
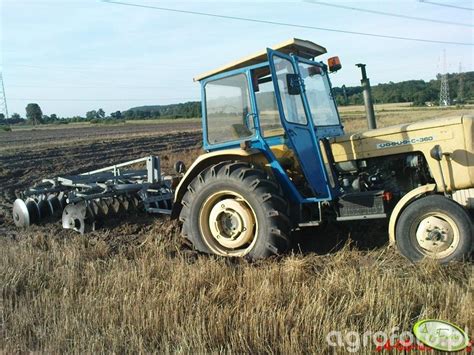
[254, 120]
[291, 132]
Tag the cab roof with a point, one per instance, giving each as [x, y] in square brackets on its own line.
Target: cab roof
[300, 47]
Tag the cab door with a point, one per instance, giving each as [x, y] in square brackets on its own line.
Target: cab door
[297, 122]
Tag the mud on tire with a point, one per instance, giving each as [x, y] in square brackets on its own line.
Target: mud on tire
[235, 209]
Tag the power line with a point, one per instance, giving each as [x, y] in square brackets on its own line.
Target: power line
[90, 68]
[98, 87]
[286, 24]
[388, 13]
[104, 100]
[446, 5]
[102, 84]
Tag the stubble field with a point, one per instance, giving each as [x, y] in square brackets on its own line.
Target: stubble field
[135, 285]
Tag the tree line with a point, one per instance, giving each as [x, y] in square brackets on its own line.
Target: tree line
[418, 92]
[35, 116]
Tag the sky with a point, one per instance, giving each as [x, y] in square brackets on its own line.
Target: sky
[73, 56]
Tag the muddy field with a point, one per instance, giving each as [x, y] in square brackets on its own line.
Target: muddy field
[136, 286]
[27, 156]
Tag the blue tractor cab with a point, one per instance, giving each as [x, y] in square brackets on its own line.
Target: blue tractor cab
[268, 169]
[281, 97]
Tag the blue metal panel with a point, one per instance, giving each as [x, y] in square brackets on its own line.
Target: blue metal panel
[302, 137]
[260, 143]
[257, 141]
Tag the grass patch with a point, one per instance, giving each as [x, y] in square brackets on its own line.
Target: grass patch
[145, 293]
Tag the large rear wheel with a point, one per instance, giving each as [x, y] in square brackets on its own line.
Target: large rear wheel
[434, 227]
[234, 209]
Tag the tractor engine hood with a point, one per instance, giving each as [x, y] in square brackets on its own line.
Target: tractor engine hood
[453, 134]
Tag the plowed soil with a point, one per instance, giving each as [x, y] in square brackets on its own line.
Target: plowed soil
[27, 156]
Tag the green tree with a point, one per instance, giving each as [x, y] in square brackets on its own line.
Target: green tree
[420, 98]
[117, 115]
[2, 116]
[100, 113]
[16, 116]
[53, 117]
[90, 115]
[34, 113]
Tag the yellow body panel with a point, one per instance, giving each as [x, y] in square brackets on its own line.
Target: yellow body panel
[454, 135]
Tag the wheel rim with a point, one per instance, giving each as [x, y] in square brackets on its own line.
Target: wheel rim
[228, 224]
[437, 235]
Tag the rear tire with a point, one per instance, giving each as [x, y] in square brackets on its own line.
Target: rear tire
[434, 227]
[234, 209]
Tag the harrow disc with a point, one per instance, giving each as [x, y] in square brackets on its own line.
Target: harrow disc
[62, 200]
[55, 205]
[104, 207]
[126, 205]
[45, 209]
[134, 202]
[25, 213]
[97, 210]
[116, 206]
[74, 217]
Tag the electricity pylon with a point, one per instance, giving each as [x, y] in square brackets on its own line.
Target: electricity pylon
[3, 98]
[444, 91]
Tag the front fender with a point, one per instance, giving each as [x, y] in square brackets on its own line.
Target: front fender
[404, 201]
[206, 160]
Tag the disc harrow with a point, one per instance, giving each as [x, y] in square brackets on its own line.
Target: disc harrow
[84, 201]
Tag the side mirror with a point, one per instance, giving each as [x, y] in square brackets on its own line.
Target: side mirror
[334, 64]
[436, 153]
[312, 71]
[293, 84]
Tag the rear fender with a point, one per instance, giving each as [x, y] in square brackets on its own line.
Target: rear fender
[206, 160]
[405, 201]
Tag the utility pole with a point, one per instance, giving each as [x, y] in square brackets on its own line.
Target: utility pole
[460, 85]
[344, 92]
[3, 98]
[444, 91]
[369, 106]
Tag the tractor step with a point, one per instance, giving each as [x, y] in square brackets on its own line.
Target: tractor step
[362, 205]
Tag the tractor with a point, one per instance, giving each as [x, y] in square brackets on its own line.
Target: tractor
[277, 160]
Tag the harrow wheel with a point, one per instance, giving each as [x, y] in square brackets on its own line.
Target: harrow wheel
[234, 209]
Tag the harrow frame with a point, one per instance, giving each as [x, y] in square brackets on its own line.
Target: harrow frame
[83, 200]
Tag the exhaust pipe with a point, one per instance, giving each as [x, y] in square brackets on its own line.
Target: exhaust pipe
[369, 106]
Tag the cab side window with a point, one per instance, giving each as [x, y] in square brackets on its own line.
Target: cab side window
[268, 114]
[227, 109]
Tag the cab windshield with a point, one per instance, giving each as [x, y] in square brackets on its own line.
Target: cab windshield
[318, 92]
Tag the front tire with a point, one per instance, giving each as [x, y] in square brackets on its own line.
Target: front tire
[434, 227]
[234, 209]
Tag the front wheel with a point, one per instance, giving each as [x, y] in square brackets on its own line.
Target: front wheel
[434, 227]
[234, 209]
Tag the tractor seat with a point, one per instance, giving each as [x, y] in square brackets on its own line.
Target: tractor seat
[241, 131]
